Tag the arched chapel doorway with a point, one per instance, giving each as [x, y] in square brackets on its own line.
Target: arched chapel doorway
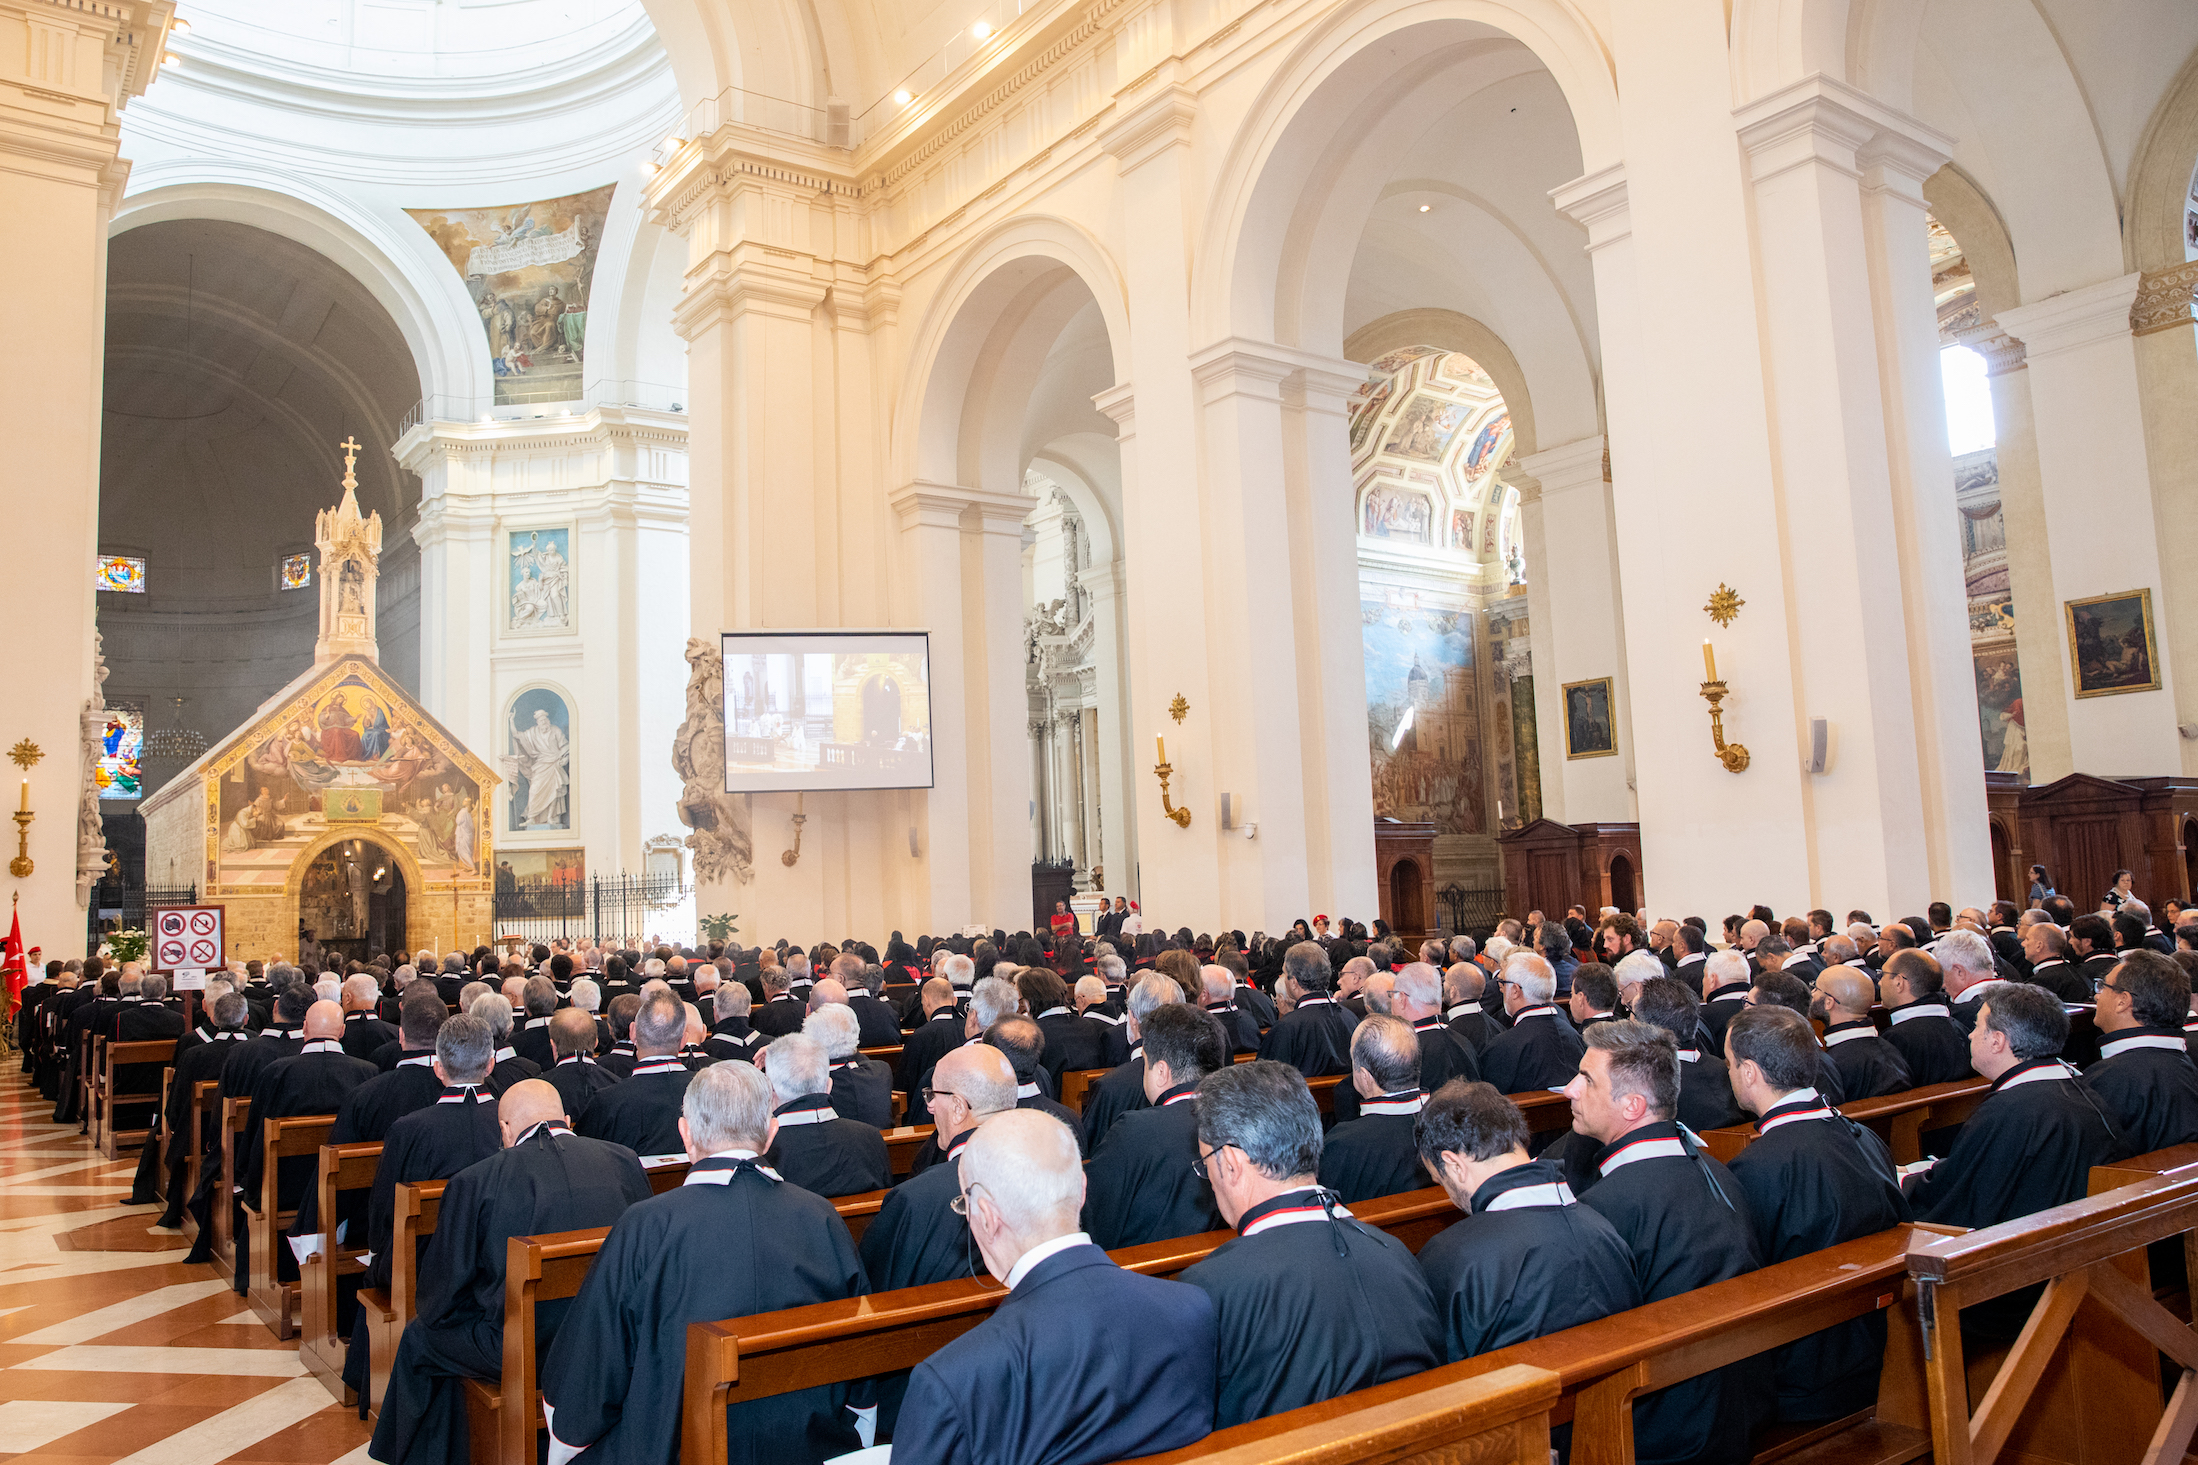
[351, 900]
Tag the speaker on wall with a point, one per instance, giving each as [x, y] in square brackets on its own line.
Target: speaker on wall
[1820, 735]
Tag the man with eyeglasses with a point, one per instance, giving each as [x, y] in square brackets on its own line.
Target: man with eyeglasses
[1143, 1184]
[1350, 1300]
[2144, 1076]
[1540, 1050]
[1082, 1362]
[917, 1237]
[1314, 1037]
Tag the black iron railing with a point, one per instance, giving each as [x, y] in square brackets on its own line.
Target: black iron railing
[117, 905]
[1471, 911]
[626, 909]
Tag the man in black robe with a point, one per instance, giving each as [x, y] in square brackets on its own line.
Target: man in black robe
[1023, 1045]
[642, 1112]
[1144, 1177]
[573, 1071]
[815, 1148]
[1217, 988]
[1594, 995]
[511, 1067]
[1350, 1301]
[1081, 1361]
[1376, 1153]
[862, 1087]
[1869, 1067]
[2144, 1077]
[316, 1081]
[2032, 1142]
[1776, 989]
[171, 1141]
[1122, 1091]
[364, 1032]
[545, 1179]
[730, 1036]
[1935, 1050]
[1314, 1037]
[1527, 1260]
[612, 1383]
[1413, 994]
[1725, 980]
[939, 1033]
[1813, 1179]
[619, 1058]
[916, 1236]
[454, 1129]
[1464, 987]
[368, 1111]
[1682, 1215]
[874, 1016]
[781, 1012]
[531, 1039]
[1540, 1050]
[1072, 1042]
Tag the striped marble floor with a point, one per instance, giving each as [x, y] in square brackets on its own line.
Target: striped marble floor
[111, 1349]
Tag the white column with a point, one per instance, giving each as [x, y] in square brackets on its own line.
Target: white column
[930, 562]
[65, 74]
[993, 609]
[2099, 514]
[1578, 629]
[1116, 777]
[1087, 782]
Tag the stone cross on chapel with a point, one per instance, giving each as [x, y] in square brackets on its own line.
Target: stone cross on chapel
[351, 552]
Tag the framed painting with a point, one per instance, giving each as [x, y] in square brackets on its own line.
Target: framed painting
[2111, 646]
[1590, 729]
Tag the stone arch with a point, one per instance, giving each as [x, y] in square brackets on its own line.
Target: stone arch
[408, 865]
[1971, 217]
[1291, 194]
[1454, 331]
[422, 294]
[983, 307]
[2160, 179]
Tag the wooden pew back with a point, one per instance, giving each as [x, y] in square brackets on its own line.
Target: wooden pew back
[235, 1114]
[1501, 1418]
[298, 1137]
[1899, 1119]
[106, 1120]
[343, 1168]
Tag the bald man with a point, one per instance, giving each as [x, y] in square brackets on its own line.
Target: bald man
[1869, 1067]
[364, 1031]
[316, 1081]
[573, 1071]
[1135, 1376]
[546, 1178]
[938, 1033]
[917, 1237]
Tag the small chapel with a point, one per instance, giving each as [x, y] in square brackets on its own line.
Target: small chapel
[828, 732]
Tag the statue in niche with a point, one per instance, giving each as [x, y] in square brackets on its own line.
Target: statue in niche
[722, 847]
[542, 758]
[351, 589]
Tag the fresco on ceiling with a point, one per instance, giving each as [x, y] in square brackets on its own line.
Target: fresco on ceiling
[1991, 612]
[1423, 716]
[351, 752]
[1402, 357]
[1465, 369]
[1366, 406]
[529, 268]
[1482, 454]
[1425, 427]
[1392, 513]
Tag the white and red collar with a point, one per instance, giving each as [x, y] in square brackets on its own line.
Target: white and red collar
[1667, 1148]
[1304, 1002]
[1848, 1032]
[574, 1058]
[1552, 1193]
[1462, 1009]
[538, 1022]
[1298, 1213]
[1539, 1010]
[659, 1063]
[2110, 1047]
[1055, 1012]
[546, 1126]
[458, 1093]
[1812, 1107]
[1410, 1103]
[1690, 1055]
[1026, 1091]
[723, 1174]
[819, 1112]
[1922, 1008]
[2041, 1070]
[422, 1060]
[321, 1045]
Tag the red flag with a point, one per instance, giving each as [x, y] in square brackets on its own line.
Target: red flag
[12, 970]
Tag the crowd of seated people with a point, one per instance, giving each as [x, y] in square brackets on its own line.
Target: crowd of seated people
[1256, 1085]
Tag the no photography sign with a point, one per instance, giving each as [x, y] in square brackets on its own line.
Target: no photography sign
[186, 938]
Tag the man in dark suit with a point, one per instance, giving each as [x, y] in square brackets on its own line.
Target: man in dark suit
[1135, 1376]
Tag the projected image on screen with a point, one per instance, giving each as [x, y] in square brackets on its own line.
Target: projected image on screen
[827, 710]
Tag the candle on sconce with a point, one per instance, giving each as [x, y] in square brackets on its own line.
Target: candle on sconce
[26, 804]
[1162, 744]
[1709, 662]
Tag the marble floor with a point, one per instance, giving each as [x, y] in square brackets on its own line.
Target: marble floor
[111, 1349]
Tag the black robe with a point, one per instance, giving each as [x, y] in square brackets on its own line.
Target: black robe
[364, 1034]
[714, 1248]
[1719, 1009]
[641, 1113]
[1705, 1092]
[317, 1081]
[1815, 1178]
[2029, 1146]
[1538, 1053]
[1121, 1092]
[1522, 1268]
[1683, 1234]
[1072, 1043]
[939, 1035]
[1443, 1057]
[170, 1143]
[1256, 1002]
[1310, 1304]
[1475, 1028]
[733, 1038]
[1376, 1153]
[2065, 980]
[825, 1154]
[531, 1041]
[1140, 1184]
[862, 1089]
[578, 1079]
[619, 1060]
[916, 1238]
[1934, 1048]
[1241, 1026]
[876, 1026]
[364, 1117]
[2145, 1080]
[511, 1068]
[1314, 1038]
[778, 1017]
[1869, 1066]
[551, 1180]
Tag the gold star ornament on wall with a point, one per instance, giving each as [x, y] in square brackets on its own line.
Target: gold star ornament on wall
[25, 753]
[1724, 605]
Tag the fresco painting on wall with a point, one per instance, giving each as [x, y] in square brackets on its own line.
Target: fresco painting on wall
[1366, 406]
[1590, 730]
[1484, 447]
[1394, 514]
[540, 587]
[529, 268]
[1999, 709]
[1423, 722]
[1424, 429]
[540, 761]
[347, 754]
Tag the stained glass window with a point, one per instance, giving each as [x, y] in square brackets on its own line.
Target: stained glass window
[297, 572]
[119, 745]
[123, 573]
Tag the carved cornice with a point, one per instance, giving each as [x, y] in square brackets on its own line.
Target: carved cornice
[2165, 299]
[2002, 353]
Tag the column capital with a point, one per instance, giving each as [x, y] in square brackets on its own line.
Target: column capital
[943, 505]
[2164, 299]
[1819, 120]
[2002, 353]
[1597, 203]
[2073, 319]
[1568, 466]
[1119, 403]
[748, 279]
[734, 173]
[1151, 129]
[1236, 366]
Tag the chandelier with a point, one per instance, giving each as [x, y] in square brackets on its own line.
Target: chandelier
[177, 744]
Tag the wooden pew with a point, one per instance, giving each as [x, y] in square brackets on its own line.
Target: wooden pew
[1898, 1119]
[1076, 1082]
[839, 1342]
[205, 1114]
[320, 1346]
[235, 1114]
[901, 1145]
[1500, 1418]
[417, 1207]
[106, 1123]
[160, 1167]
[277, 1302]
[2082, 1382]
[88, 1090]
